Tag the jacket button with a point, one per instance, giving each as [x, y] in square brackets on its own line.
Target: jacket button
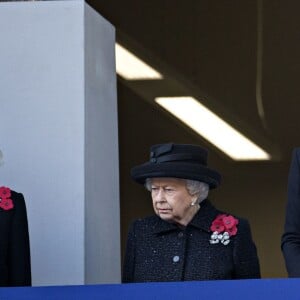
[176, 258]
[180, 234]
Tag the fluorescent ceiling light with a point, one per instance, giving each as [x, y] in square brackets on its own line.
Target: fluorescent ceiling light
[131, 67]
[212, 128]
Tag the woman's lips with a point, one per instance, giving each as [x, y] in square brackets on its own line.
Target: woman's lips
[164, 210]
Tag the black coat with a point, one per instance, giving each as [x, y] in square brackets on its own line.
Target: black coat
[14, 244]
[161, 251]
[291, 237]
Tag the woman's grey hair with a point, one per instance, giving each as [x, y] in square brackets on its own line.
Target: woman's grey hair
[193, 187]
[199, 188]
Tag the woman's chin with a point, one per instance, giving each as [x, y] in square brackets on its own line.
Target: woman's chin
[165, 216]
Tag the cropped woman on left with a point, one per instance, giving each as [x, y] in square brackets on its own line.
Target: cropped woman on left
[15, 267]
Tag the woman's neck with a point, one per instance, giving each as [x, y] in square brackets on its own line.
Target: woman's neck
[190, 215]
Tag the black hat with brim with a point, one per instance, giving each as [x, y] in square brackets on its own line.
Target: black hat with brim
[177, 161]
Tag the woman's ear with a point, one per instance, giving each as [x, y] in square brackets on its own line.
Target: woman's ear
[194, 200]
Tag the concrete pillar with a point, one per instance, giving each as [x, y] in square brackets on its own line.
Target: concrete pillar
[59, 136]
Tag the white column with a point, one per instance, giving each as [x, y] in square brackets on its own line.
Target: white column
[59, 138]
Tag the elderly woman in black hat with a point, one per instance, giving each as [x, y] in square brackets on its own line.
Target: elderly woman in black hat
[187, 238]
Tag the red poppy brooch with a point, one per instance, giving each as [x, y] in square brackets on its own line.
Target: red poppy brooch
[5, 202]
[223, 227]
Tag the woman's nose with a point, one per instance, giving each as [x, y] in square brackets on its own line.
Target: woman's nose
[160, 195]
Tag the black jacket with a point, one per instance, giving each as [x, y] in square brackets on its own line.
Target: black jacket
[14, 244]
[161, 251]
[291, 238]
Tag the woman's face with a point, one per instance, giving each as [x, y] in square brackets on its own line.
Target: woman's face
[171, 199]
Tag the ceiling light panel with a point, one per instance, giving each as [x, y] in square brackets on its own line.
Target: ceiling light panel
[207, 124]
[130, 67]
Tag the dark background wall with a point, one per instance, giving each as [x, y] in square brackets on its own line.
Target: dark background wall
[213, 48]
